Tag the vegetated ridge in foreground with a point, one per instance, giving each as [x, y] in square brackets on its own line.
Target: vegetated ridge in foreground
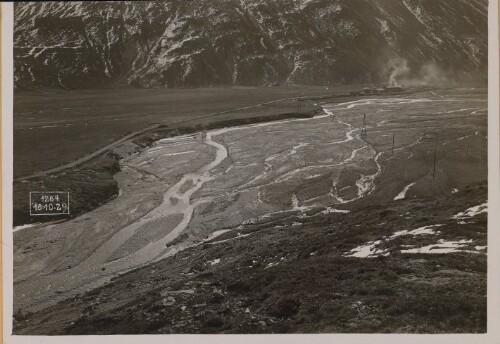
[287, 276]
[254, 42]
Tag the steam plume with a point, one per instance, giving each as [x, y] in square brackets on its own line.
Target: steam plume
[397, 67]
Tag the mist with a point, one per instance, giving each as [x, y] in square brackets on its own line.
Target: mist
[430, 74]
[397, 68]
[399, 73]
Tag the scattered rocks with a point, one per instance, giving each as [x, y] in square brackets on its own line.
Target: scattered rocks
[168, 301]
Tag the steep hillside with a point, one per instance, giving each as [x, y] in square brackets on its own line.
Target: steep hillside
[180, 43]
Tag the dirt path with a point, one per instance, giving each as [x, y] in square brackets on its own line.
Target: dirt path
[89, 156]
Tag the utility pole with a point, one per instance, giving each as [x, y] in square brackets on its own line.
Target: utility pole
[435, 158]
[363, 128]
[393, 139]
[299, 104]
[468, 146]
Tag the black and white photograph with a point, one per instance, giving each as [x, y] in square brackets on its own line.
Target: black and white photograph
[250, 167]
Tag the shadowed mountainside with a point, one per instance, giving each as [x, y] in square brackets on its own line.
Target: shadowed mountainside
[249, 42]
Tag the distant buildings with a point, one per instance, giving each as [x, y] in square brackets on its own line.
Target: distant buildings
[393, 88]
[374, 90]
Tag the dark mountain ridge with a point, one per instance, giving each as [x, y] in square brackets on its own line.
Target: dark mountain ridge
[196, 43]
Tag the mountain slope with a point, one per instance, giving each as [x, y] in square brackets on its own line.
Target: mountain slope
[248, 42]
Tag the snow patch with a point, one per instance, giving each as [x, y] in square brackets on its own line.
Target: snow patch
[214, 262]
[270, 265]
[442, 247]
[368, 250]
[402, 194]
[330, 210]
[471, 212]
[426, 230]
[29, 225]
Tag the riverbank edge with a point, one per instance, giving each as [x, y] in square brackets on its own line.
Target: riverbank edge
[92, 183]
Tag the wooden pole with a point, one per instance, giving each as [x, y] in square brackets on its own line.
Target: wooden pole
[468, 143]
[363, 128]
[393, 139]
[435, 158]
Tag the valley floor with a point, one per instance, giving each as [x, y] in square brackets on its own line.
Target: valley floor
[295, 225]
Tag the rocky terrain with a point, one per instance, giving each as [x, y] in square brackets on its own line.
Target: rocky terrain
[195, 43]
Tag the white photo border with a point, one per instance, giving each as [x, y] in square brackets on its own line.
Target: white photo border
[493, 302]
